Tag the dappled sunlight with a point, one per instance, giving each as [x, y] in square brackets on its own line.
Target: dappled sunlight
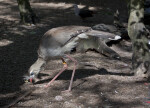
[9, 17]
[60, 5]
[5, 42]
[99, 81]
[10, 9]
[53, 5]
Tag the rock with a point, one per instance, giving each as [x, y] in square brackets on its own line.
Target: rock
[59, 98]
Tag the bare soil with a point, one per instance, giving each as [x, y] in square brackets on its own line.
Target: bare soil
[100, 82]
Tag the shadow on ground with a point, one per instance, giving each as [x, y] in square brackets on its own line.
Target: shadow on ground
[91, 87]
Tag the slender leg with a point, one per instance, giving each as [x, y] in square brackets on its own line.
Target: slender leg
[63, 69]
[75, 63]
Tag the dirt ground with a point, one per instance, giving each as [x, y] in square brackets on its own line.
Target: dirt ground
[102, 83]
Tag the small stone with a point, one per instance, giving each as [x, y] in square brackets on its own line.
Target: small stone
[59, 98]
[116, 91]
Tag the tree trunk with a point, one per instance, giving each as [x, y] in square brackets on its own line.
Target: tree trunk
[139, 37]
[26, 13]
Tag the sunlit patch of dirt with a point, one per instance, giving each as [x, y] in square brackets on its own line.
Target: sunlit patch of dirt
[5, 42]
[100, 81]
